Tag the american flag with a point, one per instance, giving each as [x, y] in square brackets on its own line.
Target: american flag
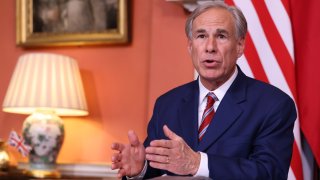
[19, 143]
[269, 56]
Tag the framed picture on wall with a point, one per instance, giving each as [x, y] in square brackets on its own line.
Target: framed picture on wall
[71, 22]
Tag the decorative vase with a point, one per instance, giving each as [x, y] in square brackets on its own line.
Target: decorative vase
[44, 132]
[4, 157]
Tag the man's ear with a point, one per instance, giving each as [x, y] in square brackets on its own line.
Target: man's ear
[240, 47]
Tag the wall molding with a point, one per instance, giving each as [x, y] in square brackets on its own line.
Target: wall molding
[86, 170]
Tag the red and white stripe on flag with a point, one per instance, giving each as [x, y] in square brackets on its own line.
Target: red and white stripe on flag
[269, 56]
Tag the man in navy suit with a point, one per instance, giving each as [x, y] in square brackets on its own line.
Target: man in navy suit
[251, 133]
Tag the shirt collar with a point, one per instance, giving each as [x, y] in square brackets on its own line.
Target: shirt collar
[220, 91]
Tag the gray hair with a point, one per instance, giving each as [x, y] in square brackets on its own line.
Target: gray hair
[240, 20]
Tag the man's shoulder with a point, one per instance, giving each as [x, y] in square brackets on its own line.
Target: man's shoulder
[181, 91]
[257, 87]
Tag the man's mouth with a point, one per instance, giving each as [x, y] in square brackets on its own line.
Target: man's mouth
[209, 63]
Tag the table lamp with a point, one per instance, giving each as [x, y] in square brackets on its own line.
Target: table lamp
[46, 86]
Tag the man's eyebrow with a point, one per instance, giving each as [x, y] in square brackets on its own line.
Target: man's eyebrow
[200, 31]
[218, 31]
[222, 31]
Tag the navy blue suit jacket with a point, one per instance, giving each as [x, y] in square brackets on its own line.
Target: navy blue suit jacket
[250, 136]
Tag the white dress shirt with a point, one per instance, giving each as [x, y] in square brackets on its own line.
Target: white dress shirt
[219, 92]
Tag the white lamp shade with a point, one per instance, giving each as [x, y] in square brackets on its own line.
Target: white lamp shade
[43, 81]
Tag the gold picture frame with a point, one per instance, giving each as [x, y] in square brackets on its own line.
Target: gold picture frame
[45, 23]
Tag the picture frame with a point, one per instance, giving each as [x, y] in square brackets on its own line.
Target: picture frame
[42, 23]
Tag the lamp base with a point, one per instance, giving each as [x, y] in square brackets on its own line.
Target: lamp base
[43, 173]
[44, 132]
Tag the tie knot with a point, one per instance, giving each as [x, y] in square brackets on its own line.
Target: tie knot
[211, 98]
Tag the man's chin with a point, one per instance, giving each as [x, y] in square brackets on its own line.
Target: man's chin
[210, 76]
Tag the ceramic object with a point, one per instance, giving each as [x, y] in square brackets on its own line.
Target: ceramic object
[44, 132]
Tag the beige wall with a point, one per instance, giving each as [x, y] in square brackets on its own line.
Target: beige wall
[121, 82]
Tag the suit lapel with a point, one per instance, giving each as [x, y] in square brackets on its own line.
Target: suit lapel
[227, 113]
[188, 116]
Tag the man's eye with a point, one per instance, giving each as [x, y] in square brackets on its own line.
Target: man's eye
[221, 36]
[201, 36]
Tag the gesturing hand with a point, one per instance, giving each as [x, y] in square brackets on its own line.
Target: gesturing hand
[173, 155]
[130, 157]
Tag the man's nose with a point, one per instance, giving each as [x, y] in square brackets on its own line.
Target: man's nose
[211, 46]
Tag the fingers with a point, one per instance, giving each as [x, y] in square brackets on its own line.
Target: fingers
[162, 143]
[158, 158]
[167, 143]
[116, 165]
[170, 134]
[117, 146]
[158, 150]
[129, 157]
[116, 157]
[121, 173]
[133, 138]
[116, 161]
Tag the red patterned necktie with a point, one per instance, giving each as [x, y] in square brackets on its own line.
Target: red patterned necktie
[207, 115]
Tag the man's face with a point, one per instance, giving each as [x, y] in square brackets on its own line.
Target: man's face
[214, 47]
